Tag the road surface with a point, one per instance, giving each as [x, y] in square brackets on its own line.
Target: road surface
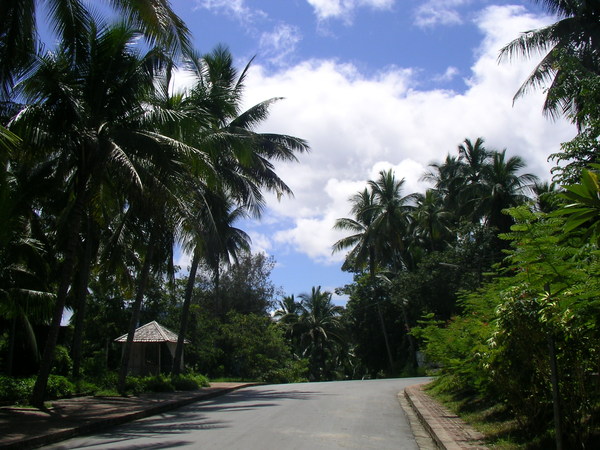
[344, 414]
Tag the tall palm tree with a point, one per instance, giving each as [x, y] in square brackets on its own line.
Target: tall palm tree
[319, 328]
[91, 114]
[473, 159]
[392, 219]
[380, 230]
[505, 188]
[430, 220]
[214, 239]
[362, 240]
[574, 37]
[71, 21]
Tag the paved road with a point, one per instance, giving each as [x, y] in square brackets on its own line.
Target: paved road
[346, 414]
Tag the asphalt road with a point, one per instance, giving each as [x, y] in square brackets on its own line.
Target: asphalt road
[344, 414]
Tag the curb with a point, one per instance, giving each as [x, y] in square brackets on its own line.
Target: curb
[100, 424]
[445, 437]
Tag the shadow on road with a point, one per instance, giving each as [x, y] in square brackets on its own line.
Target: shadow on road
[193, 417]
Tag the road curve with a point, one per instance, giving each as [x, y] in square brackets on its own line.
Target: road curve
[344, 414]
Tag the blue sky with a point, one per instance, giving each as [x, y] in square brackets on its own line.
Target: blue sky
[372, 85]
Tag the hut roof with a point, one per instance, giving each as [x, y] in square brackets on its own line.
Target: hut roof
[151, 332]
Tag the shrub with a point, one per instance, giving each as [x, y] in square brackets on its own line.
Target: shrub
[189, 382]
[15, 390]
[62, 361]
[291, 372]
[58, 387]
[157, 383]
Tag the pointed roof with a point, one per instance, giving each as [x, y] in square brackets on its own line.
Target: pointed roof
[151, 332]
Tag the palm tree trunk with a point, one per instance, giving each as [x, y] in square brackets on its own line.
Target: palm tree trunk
[381, 321]
[135, 314]
[185, 310]
[11, 346]
[81, 297]
[217, 299]
[41, 382]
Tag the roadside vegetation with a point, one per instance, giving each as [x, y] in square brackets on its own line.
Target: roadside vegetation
[488, 279]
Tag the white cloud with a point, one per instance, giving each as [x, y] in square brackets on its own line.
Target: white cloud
[279, 43]
[233, 8]
[343, 9]
[450, 73]
[357, 125]
[440, 12]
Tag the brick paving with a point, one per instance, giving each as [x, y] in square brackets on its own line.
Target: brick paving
[448, 430]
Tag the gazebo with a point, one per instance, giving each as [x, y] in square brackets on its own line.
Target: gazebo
[153, 349]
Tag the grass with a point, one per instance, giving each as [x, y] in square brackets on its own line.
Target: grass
[494, 420]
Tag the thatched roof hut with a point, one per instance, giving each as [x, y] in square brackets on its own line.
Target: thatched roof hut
[153, 349]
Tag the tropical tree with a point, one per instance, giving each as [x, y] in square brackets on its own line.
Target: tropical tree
[575, 37]
[214, 239]
[430, 220]
[72, 21]
[90, 113]
[505, 188]
[319, 328]
[392, 219]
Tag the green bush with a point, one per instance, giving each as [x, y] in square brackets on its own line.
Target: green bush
[59, 387]
[15, 390]
[189, 382]
[291, 372]
[62, 361]
[157, 383]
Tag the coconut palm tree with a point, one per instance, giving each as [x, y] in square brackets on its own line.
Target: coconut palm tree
[575, 37]
[391, 219]
[90, 113]
[362, 240]
[430, 220]
[319, 328]
[71, 21]
[211, 237]
[505, 188]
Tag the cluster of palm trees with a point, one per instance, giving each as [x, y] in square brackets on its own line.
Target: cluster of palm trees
[315, 328]
[105, 167]
[391, 231]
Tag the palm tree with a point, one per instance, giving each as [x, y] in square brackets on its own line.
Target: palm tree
[362, 239]
[380, 229]
[575, 37]
[319, 328]
[505, 188]
[91, 114]
[430, 220]
[448, 180]
[214, 239]
[392, 219]
[72, 22]
[473, 159]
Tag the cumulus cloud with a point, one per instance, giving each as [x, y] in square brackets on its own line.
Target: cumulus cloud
[450, 73]
[358, 124]
[279, 43]
[440, 12]
[343, 9]
[236, 9]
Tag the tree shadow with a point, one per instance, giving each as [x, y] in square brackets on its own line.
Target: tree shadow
[190, 418]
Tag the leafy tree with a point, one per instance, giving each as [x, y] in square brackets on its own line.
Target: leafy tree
[71, 21]
[319, 329]
[574, 37]
[107, 85]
